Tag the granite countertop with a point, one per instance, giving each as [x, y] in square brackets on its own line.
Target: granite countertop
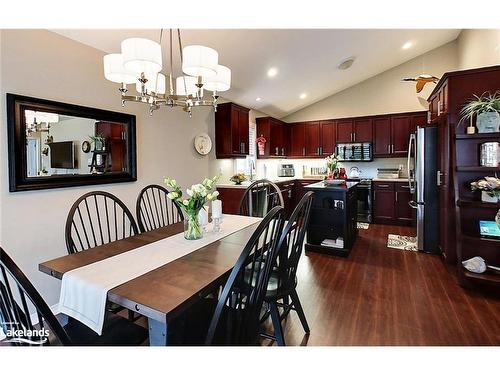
[278, 180]
[321, 186]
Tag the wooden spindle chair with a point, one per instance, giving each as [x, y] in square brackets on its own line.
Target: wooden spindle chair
[283, 280]
[97, 218]
[155, 210]
[23, 308]
[259, 198]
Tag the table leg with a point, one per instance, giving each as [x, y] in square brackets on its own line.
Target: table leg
[158, 333]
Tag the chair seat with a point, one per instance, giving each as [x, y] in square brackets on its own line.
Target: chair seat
[117, 331]
[274, 290]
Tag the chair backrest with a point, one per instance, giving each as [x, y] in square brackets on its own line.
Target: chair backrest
[259, 198]
[244, 291]
[154, 209]
[20, 303]
[291, 242]
[95, 219]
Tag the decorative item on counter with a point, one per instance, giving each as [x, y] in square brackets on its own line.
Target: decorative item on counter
[342, 174]
[203, 217]
[489, 187]
[354, 172]
[198, 195]
[332, 163]
[261, 144]
[489, 154]
[238, 178]
[478, 265]
[486, 109]
[217, 215]
[471, 129]
[99, 142]
[497, 219]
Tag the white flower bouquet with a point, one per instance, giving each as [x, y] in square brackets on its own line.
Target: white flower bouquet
[489, 187]
[197, 196]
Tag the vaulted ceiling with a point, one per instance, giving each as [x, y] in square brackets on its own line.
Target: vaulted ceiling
[306, 60]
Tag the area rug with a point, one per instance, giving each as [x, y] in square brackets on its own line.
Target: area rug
[363, 225]
[396, 241]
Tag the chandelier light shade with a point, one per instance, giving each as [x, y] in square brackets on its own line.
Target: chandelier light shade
[156, 82]
[140, 62]
[200, 61]
[141, 55]
[35, 117]
[186, 85]
[114, 70]
[221, 81]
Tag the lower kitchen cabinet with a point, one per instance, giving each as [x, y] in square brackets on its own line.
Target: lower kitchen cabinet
[390, 203]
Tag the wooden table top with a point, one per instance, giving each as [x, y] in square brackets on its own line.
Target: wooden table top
[165, 292]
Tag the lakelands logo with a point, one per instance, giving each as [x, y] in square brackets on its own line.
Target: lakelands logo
[24, 335]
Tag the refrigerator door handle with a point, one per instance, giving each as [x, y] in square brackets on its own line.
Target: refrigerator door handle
[413, 204]
[411, 143]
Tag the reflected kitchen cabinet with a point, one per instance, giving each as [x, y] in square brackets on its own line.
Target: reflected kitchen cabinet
[231, 131]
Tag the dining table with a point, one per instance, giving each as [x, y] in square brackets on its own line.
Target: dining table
[165, 293]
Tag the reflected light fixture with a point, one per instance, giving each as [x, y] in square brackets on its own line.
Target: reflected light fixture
[272, 72]
[140, 63]
[407, 45]
[303, 95]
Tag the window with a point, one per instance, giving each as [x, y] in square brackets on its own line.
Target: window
[244, 165]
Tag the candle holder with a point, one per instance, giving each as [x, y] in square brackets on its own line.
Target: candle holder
[217, 221]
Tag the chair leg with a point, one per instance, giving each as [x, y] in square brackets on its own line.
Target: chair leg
[300, 311]
[278, 330]
[131, 315]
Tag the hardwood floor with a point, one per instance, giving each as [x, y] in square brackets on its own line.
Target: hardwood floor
[383, 296]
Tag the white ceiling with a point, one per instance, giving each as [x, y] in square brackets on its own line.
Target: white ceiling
[306, 59]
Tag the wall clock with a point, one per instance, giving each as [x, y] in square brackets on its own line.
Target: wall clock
[202, 144]
[85, 146]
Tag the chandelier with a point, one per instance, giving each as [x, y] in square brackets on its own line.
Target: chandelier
[140, 63]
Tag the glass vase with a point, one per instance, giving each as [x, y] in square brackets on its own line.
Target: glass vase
[192, 227]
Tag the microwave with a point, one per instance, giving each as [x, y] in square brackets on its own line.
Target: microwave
[354, 151]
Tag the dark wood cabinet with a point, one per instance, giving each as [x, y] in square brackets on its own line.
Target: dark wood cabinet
[312, 138]
[231, 131]
[344, 131]
[403, 212]
[276, 133]
[116, 142]
[382, 137]
[383, 202]
[363, 130]
[297, 140]
[327, 135]
[401, 128]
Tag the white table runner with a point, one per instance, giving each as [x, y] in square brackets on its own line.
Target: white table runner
[84, 290]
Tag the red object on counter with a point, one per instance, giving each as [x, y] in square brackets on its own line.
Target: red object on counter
[342, 174]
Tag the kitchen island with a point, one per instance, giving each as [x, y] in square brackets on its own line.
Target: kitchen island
[333, 223]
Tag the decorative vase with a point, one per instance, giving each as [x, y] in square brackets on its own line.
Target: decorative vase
[192, 227]
[488, 122]
[485, 197]
[237, 182]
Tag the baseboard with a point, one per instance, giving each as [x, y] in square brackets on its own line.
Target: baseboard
[34, 318]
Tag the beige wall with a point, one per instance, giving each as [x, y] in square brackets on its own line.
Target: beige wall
[384, 93]
[46, 65]
[478, 48]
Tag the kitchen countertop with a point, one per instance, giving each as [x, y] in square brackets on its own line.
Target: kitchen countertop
[401, 179]
[321, 186]
[278, 180]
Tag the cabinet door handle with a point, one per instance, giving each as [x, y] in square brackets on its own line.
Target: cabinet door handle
[303, 151]
[388, 149]
[383, 186]
[243, 146]
[354, 137]
[283, 151]
[396, 196]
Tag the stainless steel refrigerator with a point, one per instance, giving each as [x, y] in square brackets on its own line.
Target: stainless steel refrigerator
[422, 178]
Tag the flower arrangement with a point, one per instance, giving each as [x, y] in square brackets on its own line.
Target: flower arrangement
[331, 164]
[98, 140]
[238, 178]
[489, 186]
[198, 195]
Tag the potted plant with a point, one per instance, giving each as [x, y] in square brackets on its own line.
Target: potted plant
[238, 178]
[486, 109]
[331, 164]
[489, 187]
[198, 195]
[99, 142]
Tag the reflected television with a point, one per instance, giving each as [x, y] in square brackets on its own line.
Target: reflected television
[62, 155]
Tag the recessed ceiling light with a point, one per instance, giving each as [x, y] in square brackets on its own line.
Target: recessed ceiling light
[272, 72]
[407, 45]
[303, 95]
[258, 99]
[346, 63]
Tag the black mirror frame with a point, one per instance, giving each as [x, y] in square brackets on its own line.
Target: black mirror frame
[18, 180]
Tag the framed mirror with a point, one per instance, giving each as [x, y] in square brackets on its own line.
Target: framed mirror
[55, 145]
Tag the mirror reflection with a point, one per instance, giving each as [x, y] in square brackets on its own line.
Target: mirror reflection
[67, 145]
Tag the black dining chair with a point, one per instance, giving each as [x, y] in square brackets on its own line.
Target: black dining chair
[259, 198]
[283, 280]
[23, 309]
[234, 319]
[95, 219]
[98, 218]
[155, 210]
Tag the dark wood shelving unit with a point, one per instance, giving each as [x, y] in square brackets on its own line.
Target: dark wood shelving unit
[489, 277]
[475, 203]
[477, 169]
[478, 136]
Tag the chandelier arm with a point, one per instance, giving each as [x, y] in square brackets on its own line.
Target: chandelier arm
[171, 80]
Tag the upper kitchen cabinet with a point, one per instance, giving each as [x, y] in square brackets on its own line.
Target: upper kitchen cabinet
[297, 140]
[438, 102]
[354, 130]
[313, 139]
[382, 132]
[327, 137]
[401, 128]
[231, 131]
[277, 135]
